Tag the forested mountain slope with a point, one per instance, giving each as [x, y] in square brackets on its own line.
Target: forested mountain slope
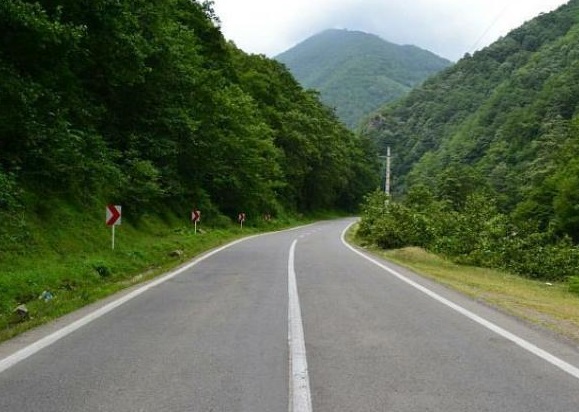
[145, 104]
[485, 156]
[357, 72]
[503, 122]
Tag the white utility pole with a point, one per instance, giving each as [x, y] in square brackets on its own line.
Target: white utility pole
[387, 185]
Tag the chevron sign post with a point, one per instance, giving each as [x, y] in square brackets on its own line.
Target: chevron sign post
[113, 218]
[241, 219]
[196, 217]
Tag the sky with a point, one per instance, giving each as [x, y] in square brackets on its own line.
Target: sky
[449, 28]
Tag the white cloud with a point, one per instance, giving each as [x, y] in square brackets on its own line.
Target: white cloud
[449, 28]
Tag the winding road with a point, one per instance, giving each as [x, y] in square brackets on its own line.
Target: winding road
[295, 320]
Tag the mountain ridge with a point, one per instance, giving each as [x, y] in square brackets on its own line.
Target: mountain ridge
[357, 72]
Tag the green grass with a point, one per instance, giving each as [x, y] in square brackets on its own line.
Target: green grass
[69, 255]
[551, 305]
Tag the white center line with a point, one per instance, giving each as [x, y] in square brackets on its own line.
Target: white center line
[299, 387]
[552, 359]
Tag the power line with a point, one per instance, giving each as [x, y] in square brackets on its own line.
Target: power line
[496, 19]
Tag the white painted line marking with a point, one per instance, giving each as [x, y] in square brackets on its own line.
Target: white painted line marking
[299, 391]
[30, 350]
[535, 350]
[48, 340]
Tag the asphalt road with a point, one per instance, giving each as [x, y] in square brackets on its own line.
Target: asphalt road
[214, 337]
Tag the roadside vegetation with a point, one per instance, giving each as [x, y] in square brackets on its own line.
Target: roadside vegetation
[478, 251]
[475, 233]
[548, 304]
[72, 263]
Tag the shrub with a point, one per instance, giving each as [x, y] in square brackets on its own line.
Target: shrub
[102, 269]
[477, 234]
[574, 285]
[8, 191]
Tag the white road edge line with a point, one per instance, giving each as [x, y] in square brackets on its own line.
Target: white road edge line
[299, 387]
[48, 340]
[535, 350]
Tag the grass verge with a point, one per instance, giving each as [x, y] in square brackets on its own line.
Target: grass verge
[57, 268]
[550, 305]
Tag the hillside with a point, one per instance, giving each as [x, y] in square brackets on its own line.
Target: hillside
[146, 105]
[357, 72]
[490, 146]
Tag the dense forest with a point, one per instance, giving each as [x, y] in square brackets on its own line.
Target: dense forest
[485, 154]
[145, 104]
[358, 72]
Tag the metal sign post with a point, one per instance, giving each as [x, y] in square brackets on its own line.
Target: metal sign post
[195, 217]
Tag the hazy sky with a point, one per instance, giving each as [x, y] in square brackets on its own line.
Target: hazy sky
[449, 28]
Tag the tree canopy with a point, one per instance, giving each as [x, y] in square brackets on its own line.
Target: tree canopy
[146, 104]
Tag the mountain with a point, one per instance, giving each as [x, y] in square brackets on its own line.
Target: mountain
[504, 121]
[357, 72]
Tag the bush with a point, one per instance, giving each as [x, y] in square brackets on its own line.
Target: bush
[477, 235]
[102, 269]
[394, 225]
[8, 191]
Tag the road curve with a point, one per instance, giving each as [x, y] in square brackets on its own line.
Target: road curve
[214, 337]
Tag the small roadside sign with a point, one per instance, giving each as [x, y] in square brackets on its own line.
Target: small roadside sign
[241, 218]
[113, 218]
[113, 215]
[196, 217]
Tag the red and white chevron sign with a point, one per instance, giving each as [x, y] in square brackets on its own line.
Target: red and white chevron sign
[113, 215]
